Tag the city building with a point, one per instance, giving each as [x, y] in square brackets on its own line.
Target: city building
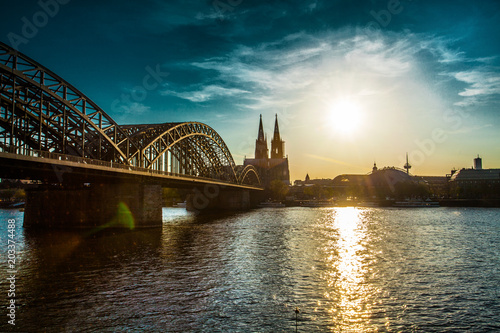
[380, 183]
[310, 182]
[390, 182]
[273, 166]
[475, 182]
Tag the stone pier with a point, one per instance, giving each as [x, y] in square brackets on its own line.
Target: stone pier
[99, 206]
[213, 198]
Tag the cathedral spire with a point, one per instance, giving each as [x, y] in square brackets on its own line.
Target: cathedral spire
[261, 151]
[277, 145]
[260, 137]
[276, 130]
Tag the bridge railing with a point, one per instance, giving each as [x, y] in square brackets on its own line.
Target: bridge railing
[84, 160]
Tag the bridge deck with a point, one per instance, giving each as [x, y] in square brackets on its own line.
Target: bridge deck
[73, 169]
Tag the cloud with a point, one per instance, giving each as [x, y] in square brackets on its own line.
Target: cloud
[479, 74]
[331, 160]
[306, 71]
[439, 48]
[133, 108]
[301, 67]
[469, 129]
[206, 93]
[129, 111]
[481, 82]
[381, 57]
[467, 102]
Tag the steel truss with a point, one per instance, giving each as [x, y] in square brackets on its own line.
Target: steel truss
[40, 111]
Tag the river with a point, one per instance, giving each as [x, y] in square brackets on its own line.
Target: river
[345, 269]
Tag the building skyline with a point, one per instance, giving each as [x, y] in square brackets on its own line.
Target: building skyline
[474, 183]
[477, 166]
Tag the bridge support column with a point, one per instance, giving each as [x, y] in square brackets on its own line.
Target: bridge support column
[97, 206]
[209, 199]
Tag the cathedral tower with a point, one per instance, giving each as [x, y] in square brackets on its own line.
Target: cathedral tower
[261, 151]
[274, 167]
[277, 145]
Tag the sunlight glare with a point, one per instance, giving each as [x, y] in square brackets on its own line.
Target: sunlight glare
[345, 116]
[349, 292]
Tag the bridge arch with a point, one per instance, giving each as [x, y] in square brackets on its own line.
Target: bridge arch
[41, 111]
[249, 175]
[162, 146]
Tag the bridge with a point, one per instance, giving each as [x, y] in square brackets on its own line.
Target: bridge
[93, 171]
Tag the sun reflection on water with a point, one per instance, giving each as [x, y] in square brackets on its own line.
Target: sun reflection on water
[348, 292]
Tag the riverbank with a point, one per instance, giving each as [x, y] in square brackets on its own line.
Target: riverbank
[487, 203]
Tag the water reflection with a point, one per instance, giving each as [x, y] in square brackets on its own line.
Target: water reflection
[348, 292]
[70, 276]
[347, 269]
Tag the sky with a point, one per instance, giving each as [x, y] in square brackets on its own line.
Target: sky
[352, 82]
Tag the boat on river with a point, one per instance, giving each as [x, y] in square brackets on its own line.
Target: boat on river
[271, 204]
[416, 203]
[180, 204]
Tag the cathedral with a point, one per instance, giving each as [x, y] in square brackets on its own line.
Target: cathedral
[272, 166]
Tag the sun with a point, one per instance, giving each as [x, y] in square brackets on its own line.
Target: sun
[345, 116]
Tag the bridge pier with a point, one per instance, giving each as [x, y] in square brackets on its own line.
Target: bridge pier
[97, 206]
[212, 198]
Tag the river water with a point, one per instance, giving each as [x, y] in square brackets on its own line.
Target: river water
[346, 269]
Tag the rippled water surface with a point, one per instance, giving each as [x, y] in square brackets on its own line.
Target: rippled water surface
[346, 269]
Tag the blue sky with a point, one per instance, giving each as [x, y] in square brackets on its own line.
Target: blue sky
[352, 82]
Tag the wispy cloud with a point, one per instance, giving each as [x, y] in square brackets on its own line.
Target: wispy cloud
[334, 161]
[380, 57]
[206, 93]
[467, 102]
[133, 108]
[484, 81]
[439, 48]
[304, 71]
[481, 77]
[300, 67]
[469, 129]
[128, 112]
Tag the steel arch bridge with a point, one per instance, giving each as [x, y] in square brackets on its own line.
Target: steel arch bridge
[42, 115]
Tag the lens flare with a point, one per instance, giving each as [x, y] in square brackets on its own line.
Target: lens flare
[123, 219]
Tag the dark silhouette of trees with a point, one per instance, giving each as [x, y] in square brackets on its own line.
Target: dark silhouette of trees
[279, 190]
